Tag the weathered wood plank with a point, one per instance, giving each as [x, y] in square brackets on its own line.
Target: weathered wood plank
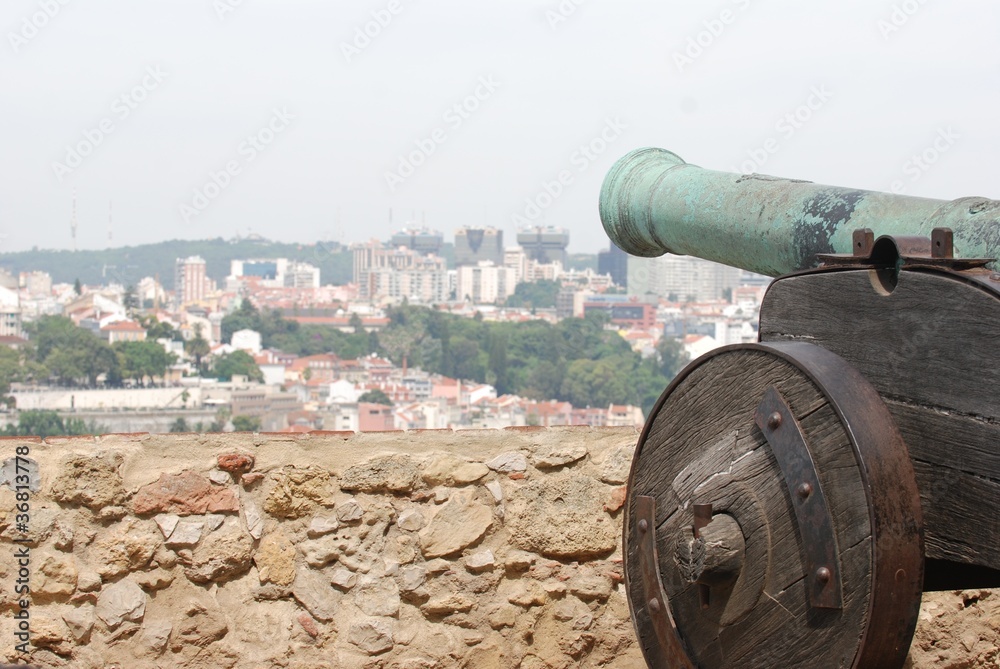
[951, 440]
[932, 341]
[960, 513]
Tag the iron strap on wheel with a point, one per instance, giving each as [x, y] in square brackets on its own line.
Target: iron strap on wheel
[819, 541]
[657, 606]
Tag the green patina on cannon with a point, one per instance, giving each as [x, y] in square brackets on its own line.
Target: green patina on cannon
[653, 203]
[790, 500]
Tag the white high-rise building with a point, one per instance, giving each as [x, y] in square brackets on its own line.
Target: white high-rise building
[515, 258]
[681, 278]
[10, 313]
[486, 283]
[393, 274]
[301, 275]
[36, 284]
[190, 281]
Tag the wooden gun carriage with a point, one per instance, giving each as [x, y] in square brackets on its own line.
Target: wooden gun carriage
[790, 500]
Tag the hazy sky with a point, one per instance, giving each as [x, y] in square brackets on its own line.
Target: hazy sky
[304, 123]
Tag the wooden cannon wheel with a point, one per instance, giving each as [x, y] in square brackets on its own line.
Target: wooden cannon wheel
[773, 518]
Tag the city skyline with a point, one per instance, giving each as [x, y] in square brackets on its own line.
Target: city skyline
[455, 115]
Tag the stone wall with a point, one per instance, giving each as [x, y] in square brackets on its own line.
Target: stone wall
[481, 549]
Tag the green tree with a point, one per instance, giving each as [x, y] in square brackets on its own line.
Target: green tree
[238, 363]
[197, 347]
[356, 323]
[544, 381]
[246, 423]
[141, 359]
[468, 360]
[539, 294]
[498, 363]
[375, 396]
[246, 317]
[401, 341]
[159, 330]
[671, 355]
[597, 383]
[10, 370]
[71, 354]
[68, 366]
[77, 287]
[49, 424]
[179, 425]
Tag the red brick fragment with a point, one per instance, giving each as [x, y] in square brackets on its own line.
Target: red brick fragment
[236, 463]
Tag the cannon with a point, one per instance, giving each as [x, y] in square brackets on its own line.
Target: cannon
[790, 500]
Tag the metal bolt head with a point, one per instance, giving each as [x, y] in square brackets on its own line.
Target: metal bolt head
[643, 525]
[823, 575]
[804, 490]
[774, 421]
[654, 605]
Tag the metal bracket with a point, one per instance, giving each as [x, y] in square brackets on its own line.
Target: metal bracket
[657, 607]
[908, 251]
[819, 542]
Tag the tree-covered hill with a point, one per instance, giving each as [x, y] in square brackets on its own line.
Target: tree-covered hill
[576, 360]
[129, 264]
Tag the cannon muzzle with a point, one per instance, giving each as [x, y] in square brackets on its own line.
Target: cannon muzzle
[652, 203]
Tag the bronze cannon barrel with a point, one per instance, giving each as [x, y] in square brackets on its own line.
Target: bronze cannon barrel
[652, 202]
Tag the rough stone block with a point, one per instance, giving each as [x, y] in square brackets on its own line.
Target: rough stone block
[120, 602]
[184, 494]
[392, 473]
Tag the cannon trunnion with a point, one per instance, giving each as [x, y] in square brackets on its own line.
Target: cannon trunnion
[790, 500]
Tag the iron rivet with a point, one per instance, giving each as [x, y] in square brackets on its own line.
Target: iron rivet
[654, 605]
[774, 421]
[900, 575]
[805, 489]
[643, 525]
[823, 574]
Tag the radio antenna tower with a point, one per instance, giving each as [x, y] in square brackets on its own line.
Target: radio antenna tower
[73, 222]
